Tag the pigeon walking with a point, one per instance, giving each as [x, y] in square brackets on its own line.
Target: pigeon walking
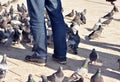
[57, 76]
[93, 56]
[3, 67]
[97, 77]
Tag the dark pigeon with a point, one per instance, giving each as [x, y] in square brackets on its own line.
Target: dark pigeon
[115, 9]
[24, 7]
[11, 10]
[57, 76]
[118, 63]
[97, 77]
[93, 56]
[73, 42]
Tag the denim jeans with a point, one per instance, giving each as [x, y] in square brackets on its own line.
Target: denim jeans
[37, 26]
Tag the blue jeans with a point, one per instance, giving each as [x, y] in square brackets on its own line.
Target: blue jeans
[37, 26]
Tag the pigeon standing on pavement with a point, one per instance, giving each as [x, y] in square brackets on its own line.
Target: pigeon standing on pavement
[57, 76]
[93, 56]
[73, 42]
[83, 71]
[30, 78]
[44, 78]
[95, 27]
[3, 67]
[71, 14]
[97, 77]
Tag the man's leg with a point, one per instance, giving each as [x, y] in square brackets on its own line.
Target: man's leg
[36, 13]
[58, 27]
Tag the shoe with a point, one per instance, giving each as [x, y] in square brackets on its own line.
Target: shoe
[60, 60]
[37, 59]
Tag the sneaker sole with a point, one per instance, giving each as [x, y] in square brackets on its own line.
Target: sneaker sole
[63, 63]
[36, 63]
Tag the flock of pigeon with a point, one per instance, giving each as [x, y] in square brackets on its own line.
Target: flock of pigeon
[77, 76]
[15, 28]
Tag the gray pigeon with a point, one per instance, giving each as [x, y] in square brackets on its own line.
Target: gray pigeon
[97, 77]
[96, 33]
[93, 56]
[95, 27]
[44, 78]
[3, 67]
[107, 22]
[71, 14]
[57, 76]
[83, 71]
[109, 15]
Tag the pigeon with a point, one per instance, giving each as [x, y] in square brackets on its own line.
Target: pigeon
[76, 19]
[14, 1]
[95, 27]
[93, 56]
[109, 15]
[82, 18]
[96, 33]
[19, 8]
[30, 78]
[118, 62]
[73, 41]
[3, 67]
[71, 14]
[44, 78]
[97, 77]
[6, 4]
[57, 76]
[107, 22]
[115, 9]
[75, 77]
[11, 10]
[83, 71]
[24, 7]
